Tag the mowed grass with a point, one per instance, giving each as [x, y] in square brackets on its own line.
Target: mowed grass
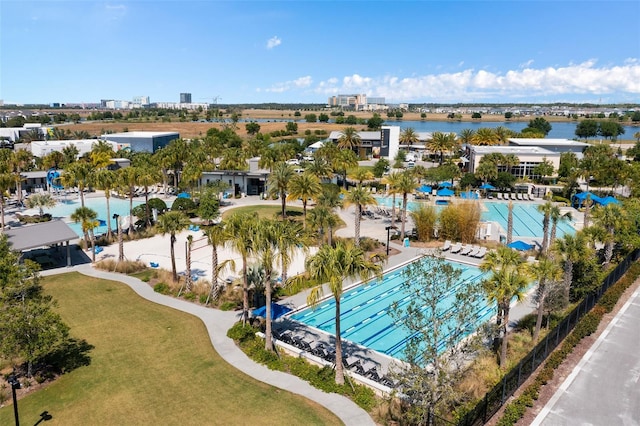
[151, 365]
[271, 211]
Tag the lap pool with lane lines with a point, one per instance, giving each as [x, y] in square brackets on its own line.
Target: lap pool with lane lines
[365, 317]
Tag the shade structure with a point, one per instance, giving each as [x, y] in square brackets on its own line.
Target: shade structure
[276, 311]
[445, 185]
[582, 196]
[609, 200]
[487, 186]
[520, 245]
[102, 222]
[446, 192]
[183, 195]
[425, 188]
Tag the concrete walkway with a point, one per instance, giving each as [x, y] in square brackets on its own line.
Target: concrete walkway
[217, 323]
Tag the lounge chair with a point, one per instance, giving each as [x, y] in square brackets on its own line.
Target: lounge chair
[98, 249]
[466, 250]
[519, 196]
[531, 198]
[513, 196]
[153, 264]
[473, 252]
[456, 248]
[447, 245]
[499, 195]
[481, 253]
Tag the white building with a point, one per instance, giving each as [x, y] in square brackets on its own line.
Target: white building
[43, 148]
[142, 141]
[529, 156]
[384, 143]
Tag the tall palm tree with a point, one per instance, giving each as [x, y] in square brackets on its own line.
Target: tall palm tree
[242, 229]
[172, 223]
[361, 175]
[20, 161]
[359, 198]
[6, 181]
[216, 237]
[570, 248]
[107, 180]
[128, 179]
[440, 143]
[556, 217]
[546, 271]
[406, 185]
[147, 176]
[333, 265]
[409, 137]
[392, 180]
[609, 218]
[88, 220]
[510, 161]
[503, 134]
[509, 279]
[266, 247]
[80, 174]
[510, 223]
[466, 136]
[320, 168]
[486, 170]
[545, 209]
[349, 139]
[323, 220]
[305, 187]
[342, 161]
[278, 183]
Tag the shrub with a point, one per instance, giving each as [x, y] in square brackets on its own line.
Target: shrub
[227, 306]
[183, 204]
[240, 332]
[162, 288]
[124, 267]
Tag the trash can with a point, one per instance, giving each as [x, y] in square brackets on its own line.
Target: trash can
[406, 242]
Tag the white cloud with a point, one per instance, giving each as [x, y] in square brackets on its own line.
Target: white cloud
[273, 42]
[526, 64]
[574, 79]
[298, 83]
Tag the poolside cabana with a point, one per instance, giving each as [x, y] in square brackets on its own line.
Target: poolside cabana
[580, 198]
[445, 185]
[42, 235]
[609, 200]
[445, 192]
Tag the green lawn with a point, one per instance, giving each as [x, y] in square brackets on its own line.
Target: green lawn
[266, 211]
[150, 365]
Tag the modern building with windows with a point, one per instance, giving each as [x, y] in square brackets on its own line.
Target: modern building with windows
[375, 144]
[185, 98]
[42, 148]
[142, 141]
[248, 182]
[555, 145]
[529, 156]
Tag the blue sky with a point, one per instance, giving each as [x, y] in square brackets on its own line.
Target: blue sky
[306, 51]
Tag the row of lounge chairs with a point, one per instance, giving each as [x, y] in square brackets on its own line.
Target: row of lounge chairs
[465, 250]
[515, 196]
[354, 364]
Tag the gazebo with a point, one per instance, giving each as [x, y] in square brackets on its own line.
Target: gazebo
[42, 235]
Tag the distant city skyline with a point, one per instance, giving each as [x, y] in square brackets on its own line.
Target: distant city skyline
[307, 51]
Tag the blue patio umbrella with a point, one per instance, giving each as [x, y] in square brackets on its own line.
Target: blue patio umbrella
[487, 186]
[445, 185]
[276, 311]
[102, 222]
[424, 188]
[183, 195]
[445, 192]
[520, 245]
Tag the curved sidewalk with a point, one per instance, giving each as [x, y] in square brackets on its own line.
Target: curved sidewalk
[217, 323]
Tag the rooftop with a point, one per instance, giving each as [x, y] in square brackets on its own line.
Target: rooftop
[40, 235]
[543, 142]
[138, 134]
[517, 150]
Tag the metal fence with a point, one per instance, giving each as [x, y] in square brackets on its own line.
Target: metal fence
[496, 397]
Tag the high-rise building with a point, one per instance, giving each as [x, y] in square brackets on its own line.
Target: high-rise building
[141, 100]
[185, 98]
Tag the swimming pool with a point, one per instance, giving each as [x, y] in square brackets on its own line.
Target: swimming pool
[65, 207]
[365, 317]
[527, 220]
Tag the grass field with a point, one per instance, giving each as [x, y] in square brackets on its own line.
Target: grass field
[151, 365]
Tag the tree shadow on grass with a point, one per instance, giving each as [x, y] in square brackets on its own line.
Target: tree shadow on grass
[72, 354]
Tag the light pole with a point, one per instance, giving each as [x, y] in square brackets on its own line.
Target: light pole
[389, 228]
[120, 242]
[15, 384]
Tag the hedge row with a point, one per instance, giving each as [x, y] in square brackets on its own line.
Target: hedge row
[585, 327]
[322, 378]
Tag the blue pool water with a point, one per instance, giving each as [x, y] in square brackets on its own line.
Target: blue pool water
[66, 207]
[365, 317]
[527, 220]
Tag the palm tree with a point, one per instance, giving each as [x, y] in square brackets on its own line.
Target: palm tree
[266, 246]
[557, 216]
[6, 180]
[503, 134]
[609, 218]
[546, 271]
[349, 139]
[485, 136]
[333, 265]
[20, 161]
[508, 280]
[106, 180]
[278, 183]
[510, 223]
[510, 161]
[466, 136]
[88, 221]
[320, 168]
[242, 229]
[147, 176]
[172, 223]
[323, 220]
[409, 136]
[545, 209]
[216, 237]
[305, 187]
[486, 170]
[41, 201]
[406, 185]
[392, 180]
[128, 179]
[440, 143]
[342, 162]
[361, 175]
[359, 198]
[570, 248]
